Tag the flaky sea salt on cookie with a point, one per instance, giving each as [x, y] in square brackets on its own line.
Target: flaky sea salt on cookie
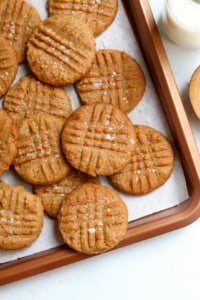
[40, 160]
[29, 96]
[21, 217]
[151, 164]
[98, 14]
[17, 21]
[8, 141]
[53, 195]
[93, 219]
[98, 139]
[8, 65]
[116, 78]
[61, 50]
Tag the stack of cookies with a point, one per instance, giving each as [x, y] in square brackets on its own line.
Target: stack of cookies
[63, 152]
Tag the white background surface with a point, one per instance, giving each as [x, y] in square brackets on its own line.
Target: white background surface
[165, 267]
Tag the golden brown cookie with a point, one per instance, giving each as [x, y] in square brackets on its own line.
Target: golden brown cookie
[150, 166]
[194, 92]
[98, 139]
[21, 217]
[98, 14]
[40, 159]
[64, 48]
[18, 19]
[8, 141]
[8, 65]
[29, 96]
[53, 195]
[114, 78]
[93, 219]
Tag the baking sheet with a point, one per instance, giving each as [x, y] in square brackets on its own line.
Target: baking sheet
[148, 112]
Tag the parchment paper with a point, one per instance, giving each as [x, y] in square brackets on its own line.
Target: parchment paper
[148, 112]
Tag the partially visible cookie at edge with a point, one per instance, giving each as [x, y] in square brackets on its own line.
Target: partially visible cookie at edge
[8, 65]
[17, 22]
[21, 217]
[30, 96]
[98, 14]
[194, 92]
[40, 160]
[8, 141]
[115, 78]
[65, 49]
[93, 219]
[151, 164]
[53, 195]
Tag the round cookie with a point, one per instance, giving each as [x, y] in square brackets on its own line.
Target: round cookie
[18, 19]
[194, 92]
[53, 195]
[93, 219]
[98, 14]
[21, 217]
[8, 141]
[98, 139]
[8, 65]
[114, 78]
[40, 159]
[29, 96]
[65, 49]
[150, 166]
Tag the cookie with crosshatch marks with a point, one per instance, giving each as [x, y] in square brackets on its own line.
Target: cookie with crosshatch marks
[53, 195]
[29, 96]
[21, 217]
[151, 164]
[8, 141]
[116, 78]
[93, 219]
[98, 139]
[61, 50]
[17, 22]
[98, 14]
[40, 159]
[8, 65]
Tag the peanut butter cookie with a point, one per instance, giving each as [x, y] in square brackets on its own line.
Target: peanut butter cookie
[115, 78]
[29, 96]
[194, 92]
[21, 217]
[8, 141]
[53, 195]
[8, 65]
[150, 166]
[40, 160]
[61, 50]
[93, 219]
[98, 139]
[98, 14]
[17, 21]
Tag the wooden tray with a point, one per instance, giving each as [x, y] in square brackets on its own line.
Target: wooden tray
[145, 29]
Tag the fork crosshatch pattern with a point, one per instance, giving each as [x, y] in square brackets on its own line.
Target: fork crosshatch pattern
[40, 159]
[98, 14]
[98, 139]
[17, 22]
[115, 78]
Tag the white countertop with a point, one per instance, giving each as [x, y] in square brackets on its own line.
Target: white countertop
[164, 267]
